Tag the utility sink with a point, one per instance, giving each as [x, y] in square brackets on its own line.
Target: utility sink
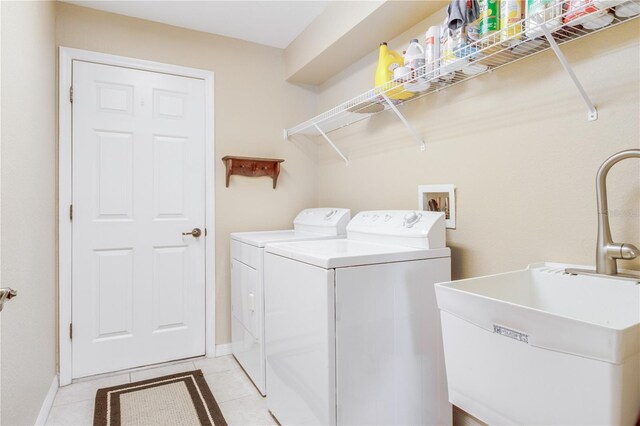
[540, 346]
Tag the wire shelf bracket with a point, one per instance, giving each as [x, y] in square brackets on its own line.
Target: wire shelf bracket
[405, 122]
[592, 112]
[335, 148]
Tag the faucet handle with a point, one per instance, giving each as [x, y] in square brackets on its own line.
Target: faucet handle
[622, 251]
[629, 251]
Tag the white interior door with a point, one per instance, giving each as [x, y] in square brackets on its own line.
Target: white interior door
[138, 283]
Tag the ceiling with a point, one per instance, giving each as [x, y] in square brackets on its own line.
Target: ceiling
[272, 23]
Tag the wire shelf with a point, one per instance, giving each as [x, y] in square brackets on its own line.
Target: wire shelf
[494, 51]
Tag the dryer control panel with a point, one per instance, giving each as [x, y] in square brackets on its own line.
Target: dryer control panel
[326, 221]
[411, 228]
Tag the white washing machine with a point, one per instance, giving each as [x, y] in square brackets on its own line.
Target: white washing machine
[247, 288]
[352, 326]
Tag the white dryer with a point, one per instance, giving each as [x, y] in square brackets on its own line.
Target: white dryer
[352, 326]
[247, 288]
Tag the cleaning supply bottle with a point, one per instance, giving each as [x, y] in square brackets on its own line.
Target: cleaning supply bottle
[432, 52]
[510, 21]
[388, 60]
[449, 64]
[489, 20]
[414, 59]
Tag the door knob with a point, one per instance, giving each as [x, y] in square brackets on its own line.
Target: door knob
[195, 233]
[6, 294]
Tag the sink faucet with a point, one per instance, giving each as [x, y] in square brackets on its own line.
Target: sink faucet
[608, 252]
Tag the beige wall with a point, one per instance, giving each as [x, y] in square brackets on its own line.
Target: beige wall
[252, 101]
[322, 34]
[517, 145]
[28, 208]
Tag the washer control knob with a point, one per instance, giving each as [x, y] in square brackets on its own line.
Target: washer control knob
[387, 217]
[411, 219]
[375, 217]
[330, 214]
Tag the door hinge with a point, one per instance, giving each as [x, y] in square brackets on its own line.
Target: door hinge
[70, 211]
[71, 94]
[70, 331]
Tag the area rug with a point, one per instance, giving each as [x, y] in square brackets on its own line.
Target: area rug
[178, 399]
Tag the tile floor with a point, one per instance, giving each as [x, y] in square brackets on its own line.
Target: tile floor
[239, 400]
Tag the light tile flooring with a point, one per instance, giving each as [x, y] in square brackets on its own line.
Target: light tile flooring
[239, 400]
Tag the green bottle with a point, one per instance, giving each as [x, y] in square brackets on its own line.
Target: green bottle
[489, 20]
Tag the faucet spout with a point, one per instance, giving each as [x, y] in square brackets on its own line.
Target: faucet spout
[608, 252]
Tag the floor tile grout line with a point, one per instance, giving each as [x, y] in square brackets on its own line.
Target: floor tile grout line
[72, 402]
[233, 399]
[240, 397]
[218, 372]
[226, 369]
[130, 371]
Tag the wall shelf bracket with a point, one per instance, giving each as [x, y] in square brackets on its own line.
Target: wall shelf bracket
[423, 146]
[336, 149]
[252, 167]
[592, 112]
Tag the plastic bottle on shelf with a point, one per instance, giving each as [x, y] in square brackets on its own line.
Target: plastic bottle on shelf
[449, 64]
[463, 47]
[414, 59]
[484, 31]
[489, 20]
[540, 12]
[468, 52]
[473, 30]
[510, 21]
[521, 45]
[388, 61]
[432, 52]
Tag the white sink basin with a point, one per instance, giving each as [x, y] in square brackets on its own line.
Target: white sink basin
[539, 346]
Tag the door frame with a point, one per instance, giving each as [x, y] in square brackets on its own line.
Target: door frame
[65, 191]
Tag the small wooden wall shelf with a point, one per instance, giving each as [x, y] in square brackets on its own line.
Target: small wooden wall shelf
[252, 167]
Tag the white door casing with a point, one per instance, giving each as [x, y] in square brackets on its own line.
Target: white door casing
[142, 162]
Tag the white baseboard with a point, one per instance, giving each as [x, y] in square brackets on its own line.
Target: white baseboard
[47, 403]
[224, 349]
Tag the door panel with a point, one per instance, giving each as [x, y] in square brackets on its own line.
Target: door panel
[138, 290]
[170, 285]
[114, 285]
[114, 175]
[169, 180]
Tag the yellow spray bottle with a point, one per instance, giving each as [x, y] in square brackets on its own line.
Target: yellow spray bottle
[388, 60]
